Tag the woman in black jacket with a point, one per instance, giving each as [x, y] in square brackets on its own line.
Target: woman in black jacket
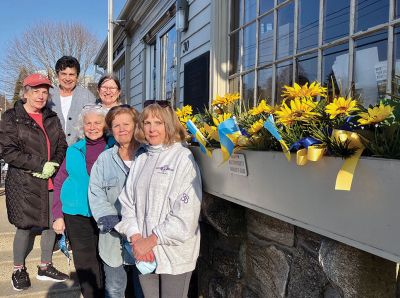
[33, 144]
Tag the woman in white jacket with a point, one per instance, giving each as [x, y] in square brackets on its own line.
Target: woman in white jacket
[161, 204]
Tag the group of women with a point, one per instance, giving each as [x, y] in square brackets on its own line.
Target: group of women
[127, 193]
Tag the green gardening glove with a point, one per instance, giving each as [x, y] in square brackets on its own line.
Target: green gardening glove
[49, 169]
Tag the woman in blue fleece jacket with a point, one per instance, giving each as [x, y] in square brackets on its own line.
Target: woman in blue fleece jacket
[161, 205]
[107, 179]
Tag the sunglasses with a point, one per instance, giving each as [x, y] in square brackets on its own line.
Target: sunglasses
[126, 106]
[161, 103]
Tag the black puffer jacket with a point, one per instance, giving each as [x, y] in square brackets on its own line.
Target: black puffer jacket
[24, 148]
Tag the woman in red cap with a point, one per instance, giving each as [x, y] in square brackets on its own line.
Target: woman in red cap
[33, 144]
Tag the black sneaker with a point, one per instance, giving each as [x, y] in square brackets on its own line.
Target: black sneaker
[20, 279]
[51, 273]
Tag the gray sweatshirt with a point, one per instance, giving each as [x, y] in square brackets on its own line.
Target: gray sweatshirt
[163, 196]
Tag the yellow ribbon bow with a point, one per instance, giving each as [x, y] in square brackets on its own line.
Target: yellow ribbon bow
[313, 153]
[344, 178]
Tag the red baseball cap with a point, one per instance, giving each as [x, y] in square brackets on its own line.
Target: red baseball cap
[36, 79]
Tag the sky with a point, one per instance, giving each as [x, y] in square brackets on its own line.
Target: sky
[17, 16]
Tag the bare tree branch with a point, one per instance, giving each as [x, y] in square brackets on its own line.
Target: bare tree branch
[41, 50]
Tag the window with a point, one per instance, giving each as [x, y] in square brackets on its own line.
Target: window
[264, 54]
[161, 64]
[168, 65]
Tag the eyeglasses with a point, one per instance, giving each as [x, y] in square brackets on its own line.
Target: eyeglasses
[92, 106]
[104, 88]
[161, 103]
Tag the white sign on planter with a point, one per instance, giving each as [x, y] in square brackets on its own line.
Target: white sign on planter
[237, 164]
[367, 217]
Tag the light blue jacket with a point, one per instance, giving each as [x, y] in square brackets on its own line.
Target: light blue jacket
[74, 190]
[108, 177]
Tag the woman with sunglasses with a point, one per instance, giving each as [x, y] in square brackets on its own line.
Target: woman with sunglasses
[107, 179]
[109, 89]
[71, 205]
[161, 205]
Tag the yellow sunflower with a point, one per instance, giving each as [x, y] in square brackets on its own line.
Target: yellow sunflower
[256, 126]
[341, 106]
[306, 91]
[262, 107]
[376, 114]
[299, 110]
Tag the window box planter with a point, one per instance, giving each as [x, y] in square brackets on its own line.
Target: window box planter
[367, 217]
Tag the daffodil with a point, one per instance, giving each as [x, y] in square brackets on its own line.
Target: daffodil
[256, 126]
[226, 99]
[376, 114]
[305, 91]
[185, 111]
[211, 132]
[299, 110]
[262, 107]
[221, 118]
[341, 106]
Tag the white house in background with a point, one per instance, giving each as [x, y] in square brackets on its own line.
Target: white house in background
[253, 47]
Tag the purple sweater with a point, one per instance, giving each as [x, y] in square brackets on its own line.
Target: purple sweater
[93, 150]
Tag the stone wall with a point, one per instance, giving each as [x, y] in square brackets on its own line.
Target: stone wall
[248, 254]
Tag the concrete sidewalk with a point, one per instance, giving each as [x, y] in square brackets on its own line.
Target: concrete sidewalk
[69, 288]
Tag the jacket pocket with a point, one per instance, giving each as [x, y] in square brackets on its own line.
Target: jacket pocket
[111, 188]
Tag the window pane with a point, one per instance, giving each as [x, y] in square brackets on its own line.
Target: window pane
[307, 68]
[308, 24]
[264, 85]
[266, 5]
[168, 69]
[266, 39]
[234, 53]
[370, 13]
[370, 78]
[234, 85]
[236, 12]
[249, 46]
[284, 72]
[336, 19]
[248, 89]
[335, 68]
[285, 30]
[250, 10]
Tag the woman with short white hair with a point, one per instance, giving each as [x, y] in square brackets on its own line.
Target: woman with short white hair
[71, 209]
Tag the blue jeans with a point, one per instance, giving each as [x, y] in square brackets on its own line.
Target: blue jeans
[116, 281]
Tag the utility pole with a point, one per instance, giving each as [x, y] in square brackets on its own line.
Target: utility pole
[110, 38]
